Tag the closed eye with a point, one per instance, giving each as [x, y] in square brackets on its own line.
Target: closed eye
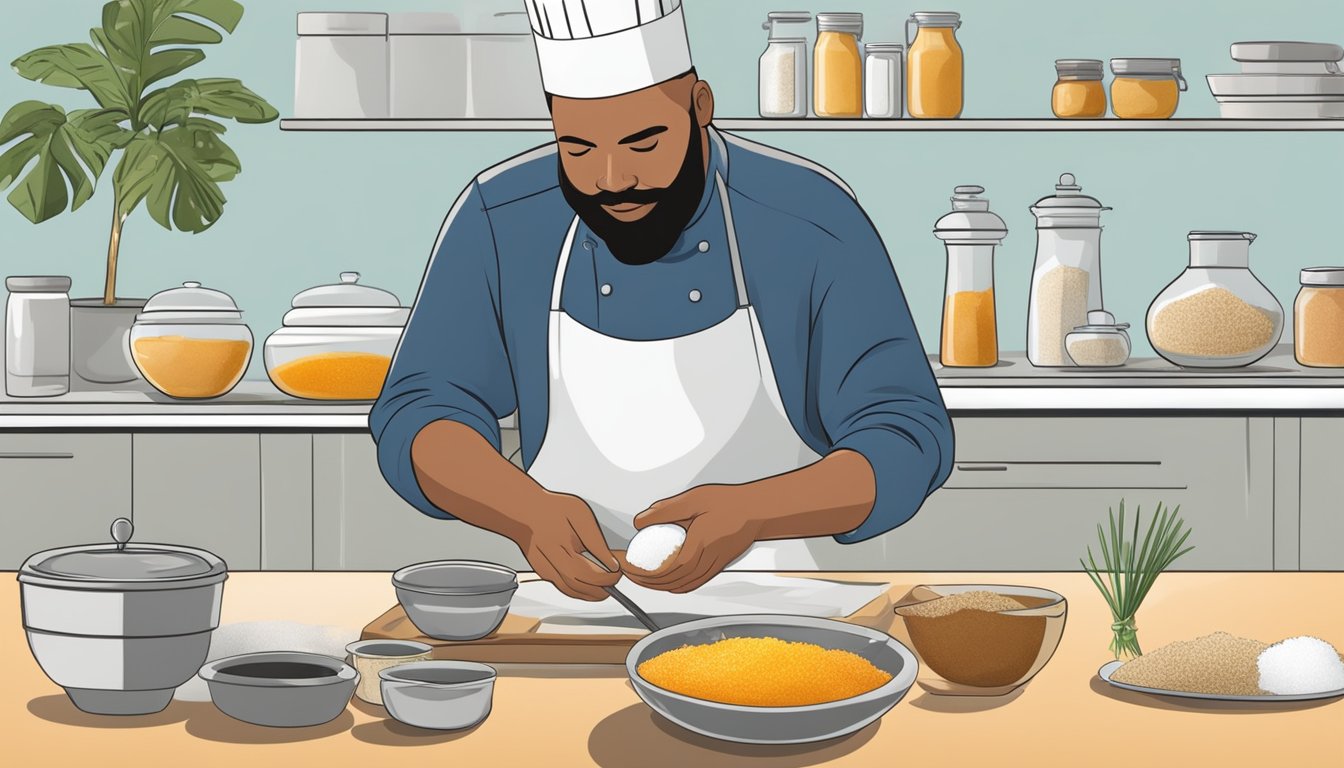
[581, 154]
[649, 148]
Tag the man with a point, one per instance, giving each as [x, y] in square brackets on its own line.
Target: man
[693, 329]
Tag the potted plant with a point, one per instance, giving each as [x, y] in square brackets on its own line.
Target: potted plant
[172, 153]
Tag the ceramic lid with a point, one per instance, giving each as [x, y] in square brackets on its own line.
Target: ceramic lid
[1286, 51]
[346, 304]
[121, 566]
[190, 304]
[970, 219]
[1101, 321]
[37, 284]
[1323, 276]
[1068, 194]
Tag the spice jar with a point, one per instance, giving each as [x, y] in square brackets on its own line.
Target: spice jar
[1146, 89]
[838, 67]
[935, 65]
[1078, 92]
[883, 81]
[970, 232]
[1101, 343]
[191, 342]
[1216, 314]
[37, 336]
[1066, 279]
[1318, 318]
[782, 85]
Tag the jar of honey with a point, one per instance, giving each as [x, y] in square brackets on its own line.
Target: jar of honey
[970, 328]
[934, 66]
[1146, 89]
[1318, 318]
[837, 66]
[1078, 92]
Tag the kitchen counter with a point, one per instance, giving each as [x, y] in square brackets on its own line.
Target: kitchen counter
[1066, 716]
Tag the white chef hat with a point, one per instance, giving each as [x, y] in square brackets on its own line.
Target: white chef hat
[591, 49]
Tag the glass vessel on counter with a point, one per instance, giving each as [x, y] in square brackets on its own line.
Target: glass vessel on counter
[191, 342]
[1078, 92]
[1101, 343]
[883, 81]
[837, 76]
[337, 342]
[934, 66]
[1318, 318]
[970, 232]
[1146, 89]
[1216, 314]
[782, 84]
[1066, 281]
[37, 336]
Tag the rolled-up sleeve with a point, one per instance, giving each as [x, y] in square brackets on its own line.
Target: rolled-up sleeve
[451, 362]
[875, 391]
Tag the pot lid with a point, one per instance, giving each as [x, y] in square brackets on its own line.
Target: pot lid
[347, 304]
[1068, 195]
[970, 218]
[1286, 51]
[347, 293]
[190, 303]
[119, 566]
[1099, 320]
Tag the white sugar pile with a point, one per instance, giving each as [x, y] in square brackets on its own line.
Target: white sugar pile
[257, 636]
[652, 546]
[1300, 665]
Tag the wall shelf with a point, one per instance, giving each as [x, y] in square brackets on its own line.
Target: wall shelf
[818, 124]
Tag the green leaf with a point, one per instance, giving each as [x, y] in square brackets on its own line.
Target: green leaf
[221, 97]
[168, 63]
[68, 148]
[177, 173]
[135, 32]
[76, 65]
[179, 30]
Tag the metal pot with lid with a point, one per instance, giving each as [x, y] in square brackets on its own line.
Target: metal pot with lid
[120, 626]
[191, 342]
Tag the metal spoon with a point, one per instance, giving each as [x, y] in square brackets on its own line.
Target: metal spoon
[626, 603]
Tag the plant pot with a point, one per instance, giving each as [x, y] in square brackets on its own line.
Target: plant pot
[100, 350]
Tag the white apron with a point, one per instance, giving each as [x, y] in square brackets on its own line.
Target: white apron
[633, 422]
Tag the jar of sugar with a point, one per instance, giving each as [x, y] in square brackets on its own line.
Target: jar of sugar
[883, 81]
[1101, 343]
[783, 68]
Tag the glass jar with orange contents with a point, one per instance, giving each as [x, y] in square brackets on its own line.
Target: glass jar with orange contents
[1078, 92]
[934, 65]
[1146, 89]
[837, 66]
[970, 232]
[191, 342]
[1318, 318]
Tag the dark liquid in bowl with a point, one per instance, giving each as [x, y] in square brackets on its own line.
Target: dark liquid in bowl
[280, 670]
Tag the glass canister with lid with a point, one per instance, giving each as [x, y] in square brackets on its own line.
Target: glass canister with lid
[1101, 343]
[1078, 92]
[837, 70]
[935, 65]
[1318, 318]
[883, 81]
[337, 342]
[970, 232]
[1146, 89]
[1066, 279]
[191, 342]
[37, 335]
[1216, 314]
[782, 85]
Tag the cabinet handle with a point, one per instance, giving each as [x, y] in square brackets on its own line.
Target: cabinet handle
[982, 468]
[35, 455]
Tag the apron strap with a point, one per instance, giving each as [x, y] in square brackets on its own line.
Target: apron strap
[732, 241]
[559, 281]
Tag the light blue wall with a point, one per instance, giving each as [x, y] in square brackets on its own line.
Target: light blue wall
[310, 205]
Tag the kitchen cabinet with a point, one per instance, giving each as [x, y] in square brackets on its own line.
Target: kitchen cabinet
[60, 489]
[286, 501]
[1321, 485]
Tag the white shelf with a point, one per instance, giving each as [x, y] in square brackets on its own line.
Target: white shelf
[820, 124]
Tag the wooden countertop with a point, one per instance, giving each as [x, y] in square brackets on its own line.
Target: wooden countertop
[1066, 716]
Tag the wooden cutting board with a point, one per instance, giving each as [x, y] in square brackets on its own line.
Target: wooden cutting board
[517, 641]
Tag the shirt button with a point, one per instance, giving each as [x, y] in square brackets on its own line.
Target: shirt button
[695, 295]
[606, 289]
[703, 246]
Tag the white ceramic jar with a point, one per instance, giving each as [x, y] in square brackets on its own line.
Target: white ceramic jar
[340, 68]
[883, 80]
[427, 66]
[37, 336]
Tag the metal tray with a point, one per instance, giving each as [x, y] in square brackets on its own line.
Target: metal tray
[1109, 668]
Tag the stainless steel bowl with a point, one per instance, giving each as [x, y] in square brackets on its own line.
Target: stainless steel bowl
[441, 695]
[455, 599]
[273, 689]
[776, 725]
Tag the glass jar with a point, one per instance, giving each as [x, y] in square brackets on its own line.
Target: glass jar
[1066, 279]
[1078, 92]
[191, 342]
[37, 336]
[838, 68]
[934, 68]
[1146, 89]
[1216, 314]
[782, 83]
[970, 232]
[883, 82]
[1101, 343]
[1318, 318]
[337, 342]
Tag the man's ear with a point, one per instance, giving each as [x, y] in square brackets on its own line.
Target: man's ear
[702, 98]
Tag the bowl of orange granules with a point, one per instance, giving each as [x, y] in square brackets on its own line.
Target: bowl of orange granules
[765, 679]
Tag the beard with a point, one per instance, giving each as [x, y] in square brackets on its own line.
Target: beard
[650, 237]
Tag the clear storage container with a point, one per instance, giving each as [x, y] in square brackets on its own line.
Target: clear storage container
[37, 336]
[838, 68]
[1101, 343]
[1066, 281]
[1318, 318]
[970, 232]
[1078, 92]
[191, 342]
[782, 84]
[1146, 89]
[340, 68]
[935, 65]
[883, 80]
[1216, 314]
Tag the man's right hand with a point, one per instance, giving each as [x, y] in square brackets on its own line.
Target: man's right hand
[553, 538]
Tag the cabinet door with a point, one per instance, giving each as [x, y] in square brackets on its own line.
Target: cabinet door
[60, 489]
[200, 490]
[1322, 495]
[361, 524]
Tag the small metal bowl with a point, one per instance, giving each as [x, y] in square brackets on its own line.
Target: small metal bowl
[455, 599]
[281, 689]
[439, 695]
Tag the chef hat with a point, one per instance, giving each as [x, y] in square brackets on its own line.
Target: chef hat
[591, 49]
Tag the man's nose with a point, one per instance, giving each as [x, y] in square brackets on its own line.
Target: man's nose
[615, 179]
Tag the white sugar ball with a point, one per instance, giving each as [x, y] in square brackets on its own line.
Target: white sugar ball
[652, 546]
[1300, 665]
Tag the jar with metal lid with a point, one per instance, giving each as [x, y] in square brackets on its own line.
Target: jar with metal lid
[883, 81]
[934, 66]
[37, 336]
[782, 83]
[970, 232]
[1100, 343]
[1066, 279]
[337, 342]
[1146, 89]
[191, 342]
[837, 80]
[1078, 92]
[1318, 318]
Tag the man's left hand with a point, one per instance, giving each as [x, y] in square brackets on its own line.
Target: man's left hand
[719, 528]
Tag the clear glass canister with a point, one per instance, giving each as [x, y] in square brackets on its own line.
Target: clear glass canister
[37, 336]
[838, 67]
[934, 66]
[883, 81]
[782, 85]
[1101, 343]
[191, 342]
[1066, 279]
[970, 232]
[1146, 89]
[1216, 314]
[1078, 92]
[1318, 318]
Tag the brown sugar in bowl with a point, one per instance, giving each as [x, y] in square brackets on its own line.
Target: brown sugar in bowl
[973, 652]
